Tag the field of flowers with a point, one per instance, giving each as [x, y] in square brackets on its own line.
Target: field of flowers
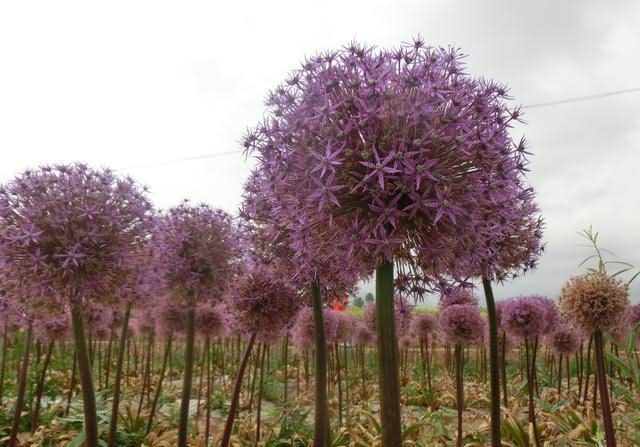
[124, 325]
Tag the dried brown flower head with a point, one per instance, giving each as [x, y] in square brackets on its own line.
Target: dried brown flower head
[594, 301]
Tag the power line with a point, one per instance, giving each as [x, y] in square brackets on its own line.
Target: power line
[181, 160]
[528, 106]
[582, 98]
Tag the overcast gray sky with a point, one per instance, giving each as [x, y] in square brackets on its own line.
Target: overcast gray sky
[136, 85]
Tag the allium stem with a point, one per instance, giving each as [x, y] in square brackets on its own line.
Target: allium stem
[156, 397]
[208, 396]
[494, 366]
[604, 392]
[388, 357]
[86, 381]
[339, 380]
[530, 389]
[40, 388]
[260, 390]
[3, 363]
[187, 378]
[72, 382]
[459, 359]
[231, 416]
[117, 381]
[503, 368]
[322, 433]
[22, 387]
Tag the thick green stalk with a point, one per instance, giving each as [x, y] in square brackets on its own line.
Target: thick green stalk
[494, 366]
[233, 408]
[86, 380]
[459, 359]
[604, 392]
[260, 390]
[40, 388]
[3, 363]
[156, 397]
[188, 376]
[322, 433]
[22, 387]
[388, 357]
[117, 381]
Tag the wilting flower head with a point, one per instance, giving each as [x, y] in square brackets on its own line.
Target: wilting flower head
[564, 339]
[524, 317]
[405, 153]
[458, 296]
[262, 302]
[461, 324]
[403, 315]
[70, 232]
[423, 325]
[195, 251]
[209, 320]
[594, 301]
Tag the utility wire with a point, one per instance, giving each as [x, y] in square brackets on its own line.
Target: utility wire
[581, 98]
[181, 160]
[528, 106]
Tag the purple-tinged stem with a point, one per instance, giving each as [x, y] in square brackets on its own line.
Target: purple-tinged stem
[228, 428]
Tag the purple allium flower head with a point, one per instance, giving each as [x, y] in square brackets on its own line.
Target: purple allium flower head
[100, 319]
[302, 331]
[142, 323]
[424, 325]
[407, 155]
[209, 320]
[363, 336]
[524, 317]
[170, 317]
[262, 301]
[343, 323]
[632, 316]
[70, 232]
[461, 324]
[195, 250]
[552, 314]
[564, 339]
[406, 341]
[52, 327]
[458, 295]
[295, 247]
[403, 315]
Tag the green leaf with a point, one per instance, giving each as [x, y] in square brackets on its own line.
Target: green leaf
[78, 440]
